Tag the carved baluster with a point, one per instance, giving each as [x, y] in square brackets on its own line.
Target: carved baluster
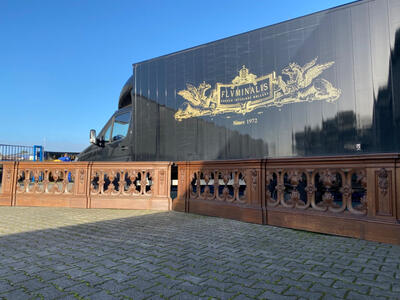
[136, 186]
[198, 182]
[201, 194]
[122, 182]
[216, 185]
[345, 190]
[220, 197]
[247, 176]
[38, 181]
[102, 174]
[61, 177]
[294, 179]
[21, 185]
[71, 181]
[270, 200]
[149, 180]
[327, 178]
[193, 177]
[34, 181]
[94, 190]
[314, 204]
[225, 192]
[143, 182]
[362, 209]
[362, 178]
[27, 180]
[235, 186]
[310, 188]
[111, 178]
[54, 187]
[207, 178]
[130, 178]
[46, 180]
[280, 187]
[225, 189]
[65, 182]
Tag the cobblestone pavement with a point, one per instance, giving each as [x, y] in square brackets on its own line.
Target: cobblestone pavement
[62, 253]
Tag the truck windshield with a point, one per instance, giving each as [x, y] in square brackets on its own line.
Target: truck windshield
[121, 125]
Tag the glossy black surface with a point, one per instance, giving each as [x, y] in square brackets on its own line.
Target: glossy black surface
[363, 40]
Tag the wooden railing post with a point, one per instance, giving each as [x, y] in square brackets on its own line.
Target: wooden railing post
[180, 203]
[381, 182]
[397, 195]
[88, 184]
[7, 195]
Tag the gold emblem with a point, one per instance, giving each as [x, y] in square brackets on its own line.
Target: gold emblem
[248, 92]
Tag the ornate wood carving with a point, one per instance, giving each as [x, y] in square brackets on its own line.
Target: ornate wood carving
[383, 182]
[329, 180]
[383, 201]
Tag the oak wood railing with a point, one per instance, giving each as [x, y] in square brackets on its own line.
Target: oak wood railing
[130, 185]
[357, 196]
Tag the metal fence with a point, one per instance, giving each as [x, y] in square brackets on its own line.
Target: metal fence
[1, 178]
[18, 153]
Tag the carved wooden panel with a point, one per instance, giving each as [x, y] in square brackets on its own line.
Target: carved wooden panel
[383, 196]
[334, 190]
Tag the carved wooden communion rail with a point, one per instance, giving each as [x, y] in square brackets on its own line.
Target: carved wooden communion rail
[356, 196]
[87, 185]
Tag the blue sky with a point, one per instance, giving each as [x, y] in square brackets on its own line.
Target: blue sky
[63, 63]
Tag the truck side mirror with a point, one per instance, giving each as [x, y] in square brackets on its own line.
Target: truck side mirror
[92, 137]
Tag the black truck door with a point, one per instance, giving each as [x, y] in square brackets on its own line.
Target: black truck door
[118, 148]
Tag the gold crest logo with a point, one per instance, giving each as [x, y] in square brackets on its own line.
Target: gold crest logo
[248, 92]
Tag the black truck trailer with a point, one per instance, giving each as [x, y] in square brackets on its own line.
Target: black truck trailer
[323, 84]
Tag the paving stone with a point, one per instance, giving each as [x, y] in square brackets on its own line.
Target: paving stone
[339, 277]
[17, 278]
[141, 284]
[102, 295]
[33, 285]
[217, 284]
[63, 283]
[384, 293]
[301, 284]
[92, 279]
[215, 293]
[293, 291]
[75, 273]
[238, 289]
[66, 252]
[82, 290]
[329, 291]
[168, 272]
[381, 285]
[47, 275]
[360, 289]
[190, 287]
[272, 295]
[51, 292]
[133, 293]
[323, 281]
[185, 296]
[355, 296]
[108, 263]
[162, 291]
[243, 297]
[15, 294]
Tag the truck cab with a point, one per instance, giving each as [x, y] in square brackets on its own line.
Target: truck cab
[115, 141]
